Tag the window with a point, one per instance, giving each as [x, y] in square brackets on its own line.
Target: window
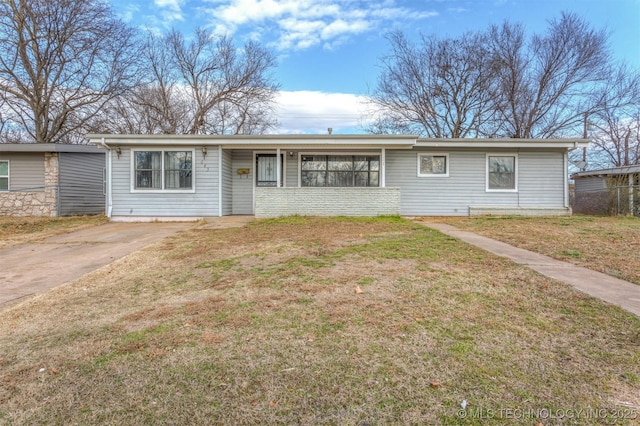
[4, 175]
[340, 170]
[502, 172]
[433, 165]
[163, 170]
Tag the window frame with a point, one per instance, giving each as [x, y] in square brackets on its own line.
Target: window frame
[340, 154]
[163, 189]
[515, 172]
[7, 176]
[433, 154]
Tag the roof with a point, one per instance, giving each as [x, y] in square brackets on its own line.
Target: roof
[326, 140]
[49, 147]
[614, 171]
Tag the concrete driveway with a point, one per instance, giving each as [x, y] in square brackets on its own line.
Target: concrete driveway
[37, 267]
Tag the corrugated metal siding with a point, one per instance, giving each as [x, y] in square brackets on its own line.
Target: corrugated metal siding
[465, 186]
[26, 171]
[591, 183]
[227, 184]
[204, 202]
[81, 183]
[242, 185]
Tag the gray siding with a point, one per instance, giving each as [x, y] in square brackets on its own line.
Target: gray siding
[291, 170]
[541, 178]
[203, 202]
[591, 183]
[227, 184]
[26, 171]
[81, 183]
[540, 182]
[242, 185]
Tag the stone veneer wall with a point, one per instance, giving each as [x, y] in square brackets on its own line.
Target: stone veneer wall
[361, 201]
[35, 203]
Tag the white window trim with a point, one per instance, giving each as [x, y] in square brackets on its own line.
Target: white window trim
[433, 154]
[162, 190]
[354, 153]
[8, 176]
[486, 171]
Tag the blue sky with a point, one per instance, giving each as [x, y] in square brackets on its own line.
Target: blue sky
[328, 50]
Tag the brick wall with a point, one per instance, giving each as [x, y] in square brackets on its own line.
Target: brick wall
[35, 203]
[368, 201]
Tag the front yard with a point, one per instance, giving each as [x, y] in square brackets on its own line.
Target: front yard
[21, 230]
[606, 244]
[308, 321]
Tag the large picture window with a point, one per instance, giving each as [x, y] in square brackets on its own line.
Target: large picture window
[4, 175]
[163, 170]
[502, 172]
[340, 170]
[433, 165]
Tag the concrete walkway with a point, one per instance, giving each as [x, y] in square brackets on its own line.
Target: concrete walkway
[605, 287]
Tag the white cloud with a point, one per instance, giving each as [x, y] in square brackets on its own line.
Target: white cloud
[300, 24]
[170, 10]
[314, 112]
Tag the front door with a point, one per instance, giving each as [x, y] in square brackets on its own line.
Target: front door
[267, 169]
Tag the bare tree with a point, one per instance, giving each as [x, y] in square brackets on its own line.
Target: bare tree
[61, 61]
[226, 89]
[203, 85]
[440, 88]
[615, 125]
[545, 85]
[498, 83]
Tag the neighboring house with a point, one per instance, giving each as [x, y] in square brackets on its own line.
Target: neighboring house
[51, 179]
[173, 177]
[607, 191]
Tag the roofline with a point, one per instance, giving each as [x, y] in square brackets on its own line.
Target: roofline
[635, 168]
[502, 143]
[250, 139]
[49, 147]
[306, 140]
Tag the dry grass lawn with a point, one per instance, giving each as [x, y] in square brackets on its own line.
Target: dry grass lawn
[606, 244]
[317, 321]
[20, 230]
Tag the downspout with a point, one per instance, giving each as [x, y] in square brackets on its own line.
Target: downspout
[565, 156]
[58, 189]
[108, 178]
[219, 180]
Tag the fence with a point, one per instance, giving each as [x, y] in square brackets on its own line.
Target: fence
[612, 201]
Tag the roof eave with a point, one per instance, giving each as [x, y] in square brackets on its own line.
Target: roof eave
[503, 143]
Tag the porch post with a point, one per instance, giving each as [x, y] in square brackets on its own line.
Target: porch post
[278, 168]
[383, 167]
[631, 200]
